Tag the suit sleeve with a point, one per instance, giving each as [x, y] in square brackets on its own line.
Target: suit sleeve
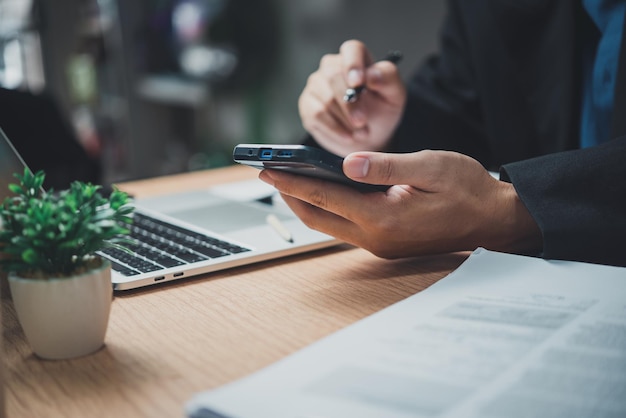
[578, 199]
[443, 109]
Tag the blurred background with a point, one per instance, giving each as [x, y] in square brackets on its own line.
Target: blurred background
[154, 87]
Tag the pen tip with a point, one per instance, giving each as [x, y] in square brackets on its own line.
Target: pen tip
[351, 94]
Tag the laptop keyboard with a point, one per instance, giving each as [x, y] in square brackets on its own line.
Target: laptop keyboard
[162, 245]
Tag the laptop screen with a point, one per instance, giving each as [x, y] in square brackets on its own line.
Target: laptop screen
[10, 163]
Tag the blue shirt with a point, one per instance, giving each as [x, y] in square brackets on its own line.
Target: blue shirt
[600, 70]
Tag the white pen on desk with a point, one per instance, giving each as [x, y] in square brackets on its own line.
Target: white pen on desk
[352, 94]
[278, 226]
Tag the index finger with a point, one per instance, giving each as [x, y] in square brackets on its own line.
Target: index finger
[325, 221]
[355, 59]
[336, 198]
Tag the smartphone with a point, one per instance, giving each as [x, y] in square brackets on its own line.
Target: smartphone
[299, 159]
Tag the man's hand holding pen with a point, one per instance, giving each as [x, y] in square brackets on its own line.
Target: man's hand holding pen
[352, 93]
[365, 124]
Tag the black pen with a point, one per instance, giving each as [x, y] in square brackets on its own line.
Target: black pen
[352, 94]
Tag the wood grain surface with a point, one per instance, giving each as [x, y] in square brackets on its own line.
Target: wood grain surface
[167, 342]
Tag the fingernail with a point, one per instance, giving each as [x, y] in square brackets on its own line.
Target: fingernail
[356, 167]
[355, 77]
[374, 75]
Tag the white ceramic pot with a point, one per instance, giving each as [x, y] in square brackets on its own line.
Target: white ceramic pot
[64, 317]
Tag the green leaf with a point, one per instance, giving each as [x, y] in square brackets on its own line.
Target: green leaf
[53, 232]
[29, 256]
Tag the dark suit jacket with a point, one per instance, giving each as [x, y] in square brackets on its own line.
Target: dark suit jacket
[505, 89]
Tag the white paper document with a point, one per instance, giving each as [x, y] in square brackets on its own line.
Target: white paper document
[501, 336]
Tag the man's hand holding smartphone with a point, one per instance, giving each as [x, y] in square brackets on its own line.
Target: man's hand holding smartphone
[299, 159]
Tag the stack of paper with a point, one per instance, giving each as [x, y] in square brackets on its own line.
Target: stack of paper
[502, 336]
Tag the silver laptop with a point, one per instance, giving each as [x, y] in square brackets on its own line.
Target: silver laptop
[191, 233]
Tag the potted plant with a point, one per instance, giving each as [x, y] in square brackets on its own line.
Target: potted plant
[49, 242]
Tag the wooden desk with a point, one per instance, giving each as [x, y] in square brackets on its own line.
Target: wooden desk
[166, 343]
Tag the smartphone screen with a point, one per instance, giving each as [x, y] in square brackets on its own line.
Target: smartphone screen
[299, 159]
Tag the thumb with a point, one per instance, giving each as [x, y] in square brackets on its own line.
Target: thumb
[419, 169]
[384, 79]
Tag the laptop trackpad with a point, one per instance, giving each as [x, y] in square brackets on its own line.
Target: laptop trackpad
[223, 217]
[210, 212]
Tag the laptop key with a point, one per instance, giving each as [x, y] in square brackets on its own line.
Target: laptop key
[146, 267]
[126, 271]
[210, 252]
[161, 245]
